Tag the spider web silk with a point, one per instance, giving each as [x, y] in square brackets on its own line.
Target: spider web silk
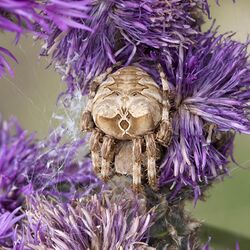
[31, 96]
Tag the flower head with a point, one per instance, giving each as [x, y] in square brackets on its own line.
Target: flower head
[89, 223]
[119, 28]
[46, 167]
[40, 18]
[211, 85]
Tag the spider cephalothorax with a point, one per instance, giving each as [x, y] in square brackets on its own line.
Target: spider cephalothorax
[127, 109]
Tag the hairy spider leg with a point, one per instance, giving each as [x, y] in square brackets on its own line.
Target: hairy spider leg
[87, 120]
[95, 149]
[137, 159]
[164, 133]
[151, 160]
[107, 153]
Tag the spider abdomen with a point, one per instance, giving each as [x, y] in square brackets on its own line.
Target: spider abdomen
[128, 104]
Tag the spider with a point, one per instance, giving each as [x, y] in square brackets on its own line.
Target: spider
[127, 110]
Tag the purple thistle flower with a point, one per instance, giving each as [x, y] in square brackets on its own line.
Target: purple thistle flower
[207, 246]
[7, 227]
[211, 86]
[39, 17]
[4, 65]
[237, 246]
[21, 15]
[66, 14]
[46, 167]
[90, 223]
[119, 28]
[17, 153]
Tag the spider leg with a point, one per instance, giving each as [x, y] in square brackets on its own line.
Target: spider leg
[137, 155]
[151, 158]
[87, 120]
[107, 152]
[95, 149]
[164, 133]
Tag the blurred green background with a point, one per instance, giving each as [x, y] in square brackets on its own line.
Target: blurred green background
[31, 96]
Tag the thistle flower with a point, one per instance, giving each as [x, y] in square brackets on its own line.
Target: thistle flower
[118, 29]
[115, 219]
[46, 167]
[66, 14]
[21, 15]
[17, 16]
[4, 65]
[92, 223]
[207, 246]
[211, 83]
[17, 153]
[7, 227]
[39, 17]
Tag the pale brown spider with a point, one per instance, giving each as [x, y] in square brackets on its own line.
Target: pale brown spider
[125, 109]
